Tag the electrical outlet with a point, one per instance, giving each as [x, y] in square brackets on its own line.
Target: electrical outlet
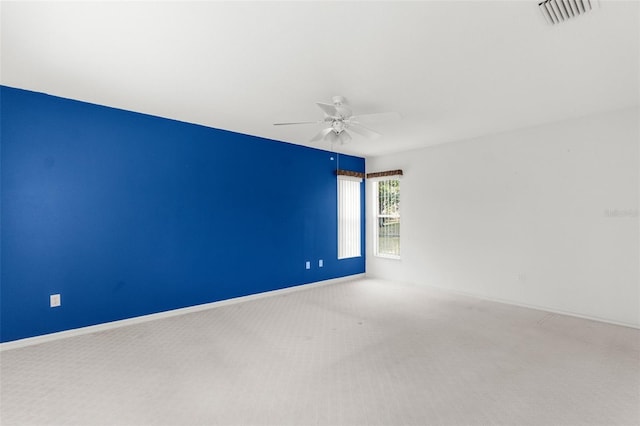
[54, 300]
[320, 263]
[307, 265]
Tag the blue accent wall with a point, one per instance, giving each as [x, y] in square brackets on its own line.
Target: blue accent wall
[126, 214]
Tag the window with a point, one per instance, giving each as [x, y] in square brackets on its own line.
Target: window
[387, 217]
[349, 213]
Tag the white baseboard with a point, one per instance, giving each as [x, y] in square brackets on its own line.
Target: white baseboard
[520, 304]
[175, 312]
[551, 310]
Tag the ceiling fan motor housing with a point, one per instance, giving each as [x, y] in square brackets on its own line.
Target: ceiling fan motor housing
[342, 110]
[338, 100]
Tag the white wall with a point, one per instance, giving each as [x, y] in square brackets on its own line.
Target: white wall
[544, 216]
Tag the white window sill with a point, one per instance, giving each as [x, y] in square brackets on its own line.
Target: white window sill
[388, 256]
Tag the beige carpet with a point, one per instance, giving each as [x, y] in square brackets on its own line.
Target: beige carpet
[365, 352]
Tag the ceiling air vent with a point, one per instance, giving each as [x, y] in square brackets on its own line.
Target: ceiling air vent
[558, 11]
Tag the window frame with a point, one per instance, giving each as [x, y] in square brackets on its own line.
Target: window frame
[377, 216]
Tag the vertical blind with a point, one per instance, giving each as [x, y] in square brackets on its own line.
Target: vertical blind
[349, 237]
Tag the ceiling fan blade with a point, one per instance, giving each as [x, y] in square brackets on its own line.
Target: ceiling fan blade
[328, 109]
[344, 137]
[377, 117]
[298, 122]
[321, 135]
[361, 130]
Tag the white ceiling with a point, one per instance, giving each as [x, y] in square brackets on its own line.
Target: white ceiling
[453, 69]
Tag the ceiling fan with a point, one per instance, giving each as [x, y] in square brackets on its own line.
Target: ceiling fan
[339, 119]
